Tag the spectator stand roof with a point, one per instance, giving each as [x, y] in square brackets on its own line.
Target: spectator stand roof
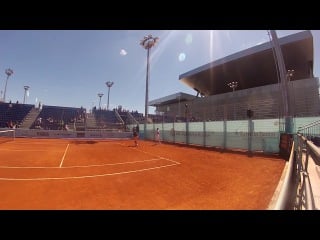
[253, 67]
[173, 98]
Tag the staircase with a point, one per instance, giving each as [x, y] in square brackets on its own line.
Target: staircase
[79, 126]
[118, 116]
[30, 118]
[131, 119]
[91, 121]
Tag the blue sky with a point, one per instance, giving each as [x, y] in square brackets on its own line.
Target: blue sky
[70, 67]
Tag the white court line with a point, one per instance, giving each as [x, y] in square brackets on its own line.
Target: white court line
[100, 175]
[65, 152]
[93, 165]
[19, 150]
[87, 176]
[170, 160]
[152, 154]
[39, 143]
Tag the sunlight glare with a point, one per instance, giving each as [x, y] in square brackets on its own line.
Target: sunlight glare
[182, 57]
[188, 39]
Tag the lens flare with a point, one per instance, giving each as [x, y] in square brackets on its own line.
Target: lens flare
[123, 52]
[182, 57]
[188, 39]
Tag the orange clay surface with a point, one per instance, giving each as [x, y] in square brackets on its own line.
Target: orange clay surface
[63, 174]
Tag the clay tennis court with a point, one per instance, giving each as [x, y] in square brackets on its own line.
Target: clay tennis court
[113, 174]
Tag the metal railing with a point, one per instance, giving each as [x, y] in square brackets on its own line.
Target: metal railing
[307, 154]
[311, 129]
[299, 186]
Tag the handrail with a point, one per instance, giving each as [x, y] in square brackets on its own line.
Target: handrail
[305, 197]
[309, 125]
[295, 190]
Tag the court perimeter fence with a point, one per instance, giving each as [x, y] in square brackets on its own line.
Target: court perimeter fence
[253, 135]
[256, 135]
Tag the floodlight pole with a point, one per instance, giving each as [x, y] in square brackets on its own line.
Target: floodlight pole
[147, 43]
[26, 88]
[283, 83]
[9, 72]
[290, 73]
[233, 85]
[100, 96]
[109, 85]
[291, 106]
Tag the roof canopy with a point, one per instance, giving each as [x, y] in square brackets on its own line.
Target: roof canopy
[173, 98]
[253, 67]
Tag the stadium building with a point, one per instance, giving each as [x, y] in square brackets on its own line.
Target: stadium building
[247, 84]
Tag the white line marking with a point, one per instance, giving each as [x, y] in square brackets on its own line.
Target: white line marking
[151, 154]
[100, 175]
[65, 152]
[93, 165]
[88, 176]
[19, 150]
[38, 143]
[170, 160]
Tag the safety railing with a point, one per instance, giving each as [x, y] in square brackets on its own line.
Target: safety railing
[308, 160]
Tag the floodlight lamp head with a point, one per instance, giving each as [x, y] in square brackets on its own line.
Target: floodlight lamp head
[9, 71]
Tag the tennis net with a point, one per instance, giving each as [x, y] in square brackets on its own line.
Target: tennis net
[7, 135]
